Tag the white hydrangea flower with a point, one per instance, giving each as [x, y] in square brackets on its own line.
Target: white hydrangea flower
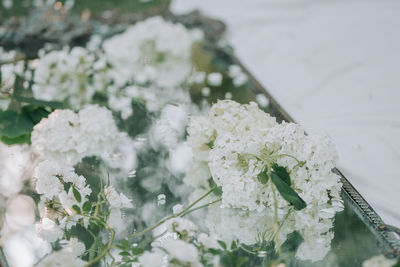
[152, 50]
[48, 230]
[65, 76]
[117, 200]
[179, 250]
[242, 134]
[235, 142]
[68, 136]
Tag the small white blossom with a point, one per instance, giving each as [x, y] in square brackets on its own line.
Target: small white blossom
[214, 79]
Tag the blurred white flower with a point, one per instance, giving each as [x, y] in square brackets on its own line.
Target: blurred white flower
[179, 250]
[48, 230]
[68, 136]
[117, 200]
[152, 259]
[65, 76]
[153, 50]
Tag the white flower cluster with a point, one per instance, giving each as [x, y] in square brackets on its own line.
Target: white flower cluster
[63, 198]
[68, 75]
[235, 141]
[152, 51]
[58, 205]
[67, 136]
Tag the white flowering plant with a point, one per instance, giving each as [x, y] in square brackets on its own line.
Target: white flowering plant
[133, 154]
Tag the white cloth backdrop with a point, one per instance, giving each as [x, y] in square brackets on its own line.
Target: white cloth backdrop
[335, 67]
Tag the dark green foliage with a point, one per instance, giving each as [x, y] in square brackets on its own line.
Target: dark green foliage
[76, 209]
[281, 172]
[16, 127]
[15, 124]
[218, 190]
[87, 207]
[263, 177]
[292, 242]
[77, 195]
[281, 179]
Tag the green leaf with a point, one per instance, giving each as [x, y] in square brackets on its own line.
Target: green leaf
[293, 241]
[233, 245]
[124, 253]
[43, 103]
[76, 209]
[241, 261]
[210, 144]
[218, 190]
[77, 195]
[87, 207]
[137, 250]
[222, 244]
[282, 173]
[22, 139]
[263, 177]
[15, 124]
[287, 192]
[213, 251]
[125, 244]
[35, 113]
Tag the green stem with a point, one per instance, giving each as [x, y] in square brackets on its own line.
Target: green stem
[248, 251]
[276, 226]
[290, 156]
[150, 228]
[200, 207]
[108, 247]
